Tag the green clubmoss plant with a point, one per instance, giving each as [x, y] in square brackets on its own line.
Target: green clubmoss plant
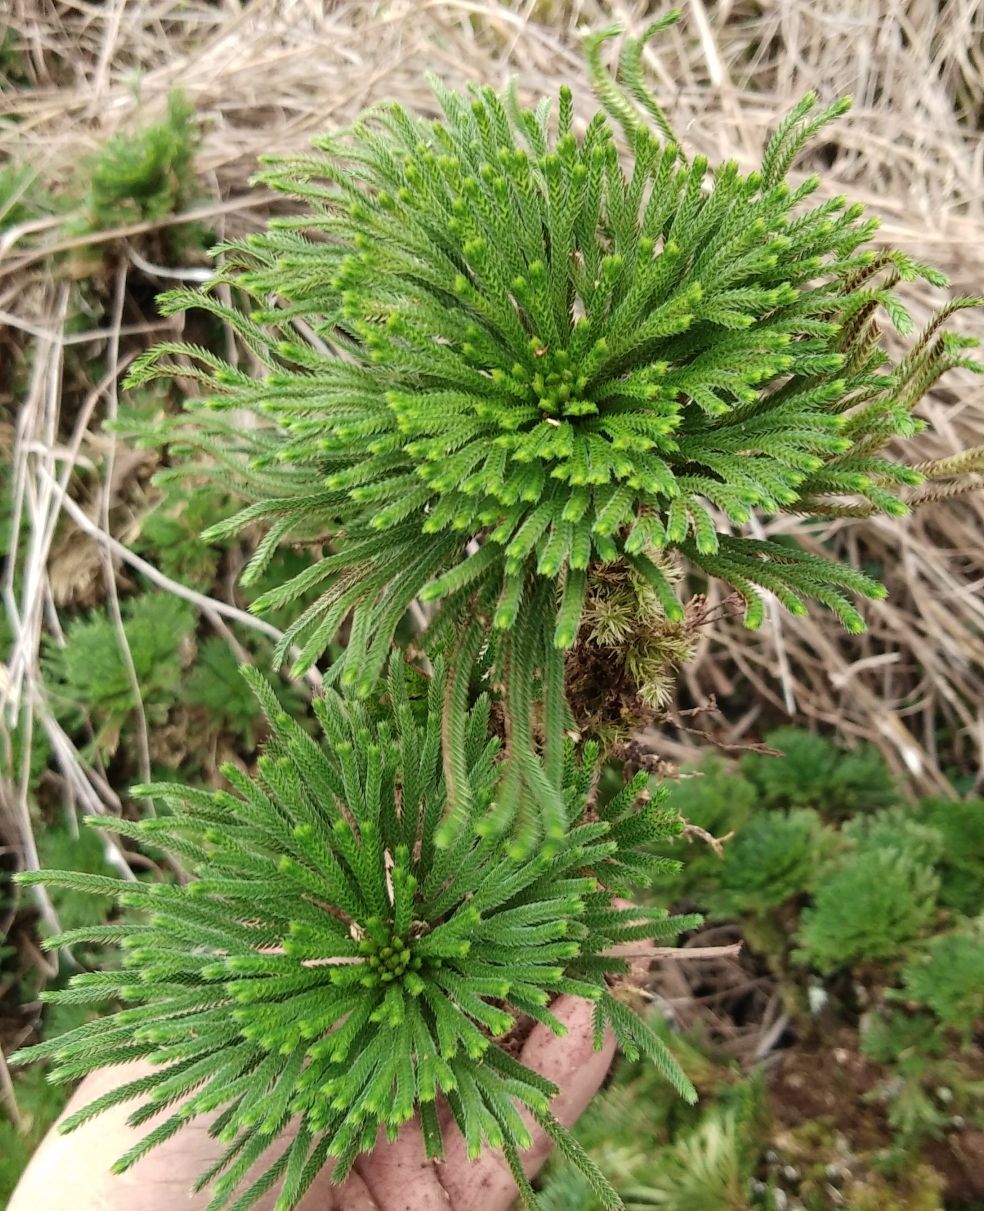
[949, 979]
[776, 856]
[815, 772]
[87, 673]
[495, 355]
[961, 825]
[897, 829]
[328, 964]
[146, 174]
[871, 909]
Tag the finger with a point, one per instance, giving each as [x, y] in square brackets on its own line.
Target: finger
[352, 1195]
[69, 1172]
[572, 1063]
[399, 1176]
[72, 1171]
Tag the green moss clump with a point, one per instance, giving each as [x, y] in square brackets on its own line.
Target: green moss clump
[949, 979]
[813, 772]
[776, 856]
[146, 175]
[870, 909]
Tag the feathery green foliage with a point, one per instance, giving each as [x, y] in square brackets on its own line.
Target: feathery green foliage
[707, 1170]
[776, 856]
[899, 829]
[170, 534]
[926, 1044]
[761, 796]
[662, 1153]
[215, 686]
[147, 174]
[505, 367]
[489, 345]
[814, 772]
[715, 799]
[329, 963]
[961, 867]
[924, 994]
[871, 908]
[89, 670]
[949, 978]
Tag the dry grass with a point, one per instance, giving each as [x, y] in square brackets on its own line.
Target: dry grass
[264, 75]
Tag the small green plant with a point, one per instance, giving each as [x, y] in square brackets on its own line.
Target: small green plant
[144, 175]
[170, 534]
[926, 989]
[871, 908]
[706, 1170]
[815, 773]
[214, 685]
[328, 961]
[898, 829]
[755, 796]
[927, 1083]
[948, 979]
[714, 796]
[889, 1036]
[88, 675]
[717, 800]
[776, 856]
[667, 1155]
[961, 825]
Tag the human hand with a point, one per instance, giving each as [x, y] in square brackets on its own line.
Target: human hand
[72, 1172]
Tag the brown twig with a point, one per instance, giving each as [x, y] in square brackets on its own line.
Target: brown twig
[716, 843]
[683, 953]
[8, 1095]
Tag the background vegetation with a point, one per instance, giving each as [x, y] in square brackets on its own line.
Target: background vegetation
[837, 1064]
